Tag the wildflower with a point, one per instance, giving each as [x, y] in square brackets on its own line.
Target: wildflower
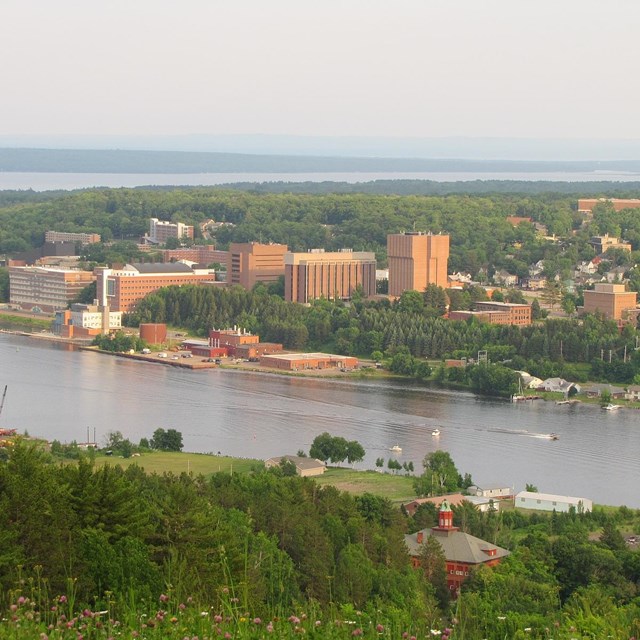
[435, 632]
[44, 636]
[379, 628]
[502, 617]
[294, 619]
[257, 621]
[21, 600]
[62, 599]
[234, 600]
[164, 597]
[182, 606]
[227, 636]
[217, 618]
[318, 623]
[270, 627]
[173, 619]
[225, 589]
[204, 614]
[527, 629]
[356, 632]
[14, 607]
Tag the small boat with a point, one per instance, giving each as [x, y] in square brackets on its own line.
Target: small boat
[553, 436]
[397, 448]
[610, 407]
[435, 432]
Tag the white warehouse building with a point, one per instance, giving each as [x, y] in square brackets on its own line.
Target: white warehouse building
[549, 502]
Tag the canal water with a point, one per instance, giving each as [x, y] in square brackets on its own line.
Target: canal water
[58, 392]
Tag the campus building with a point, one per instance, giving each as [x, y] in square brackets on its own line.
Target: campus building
[122, 289]
[586, 205]
[416, 260]
[306, 361]
[46, 290]
[205, 254]
[331, 275]
[462, 552]
[65, 236]
[612, 300]
[497, 313]
[160, 231]
[251, 262]
[85, 321]
[602, 243]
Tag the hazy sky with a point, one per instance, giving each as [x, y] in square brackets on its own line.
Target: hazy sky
[529, 68]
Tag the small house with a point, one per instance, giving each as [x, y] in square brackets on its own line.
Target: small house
[305, 467]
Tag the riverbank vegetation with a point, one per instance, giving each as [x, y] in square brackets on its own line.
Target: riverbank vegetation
[101, 551]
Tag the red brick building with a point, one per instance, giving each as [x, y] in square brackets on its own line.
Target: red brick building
[122, 289]
[462, 552]
[497, 313]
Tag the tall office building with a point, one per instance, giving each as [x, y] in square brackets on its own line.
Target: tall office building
[251, 262]
[416, 259]
[335, 274]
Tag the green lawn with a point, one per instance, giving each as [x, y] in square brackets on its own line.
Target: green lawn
[398, 488]
[174, 462]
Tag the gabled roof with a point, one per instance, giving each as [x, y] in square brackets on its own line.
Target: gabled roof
[301, 463]
[549, 497]
[458, 546]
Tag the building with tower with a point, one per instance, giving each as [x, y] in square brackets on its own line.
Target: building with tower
[462, 551]
[416, 259]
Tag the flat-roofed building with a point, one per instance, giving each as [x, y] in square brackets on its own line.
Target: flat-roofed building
[602, 243]
[204, 254]
[550, 502]
[612, 300]
[122, 289]
[331, 275]
[161, 230]
[586, 205]
[46, 290]
[416, 260]
[497, 313]
[251, 262]
[302, 361]
[85, 321]
[66, 236]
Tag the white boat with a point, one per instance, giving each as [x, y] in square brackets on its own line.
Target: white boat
[396, 447]
[611, 407]
[435, 432]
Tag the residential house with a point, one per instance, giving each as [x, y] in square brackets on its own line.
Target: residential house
[559, 385]
[491, 491]
[596, 391]
[305, 467]
[504, 278]
[633, 393]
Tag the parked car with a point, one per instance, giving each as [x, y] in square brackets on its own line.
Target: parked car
[162, 354]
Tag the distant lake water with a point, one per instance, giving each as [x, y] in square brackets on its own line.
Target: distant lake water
[70, 181]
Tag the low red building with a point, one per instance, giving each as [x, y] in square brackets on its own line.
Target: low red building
[462, 552]
[302, 361]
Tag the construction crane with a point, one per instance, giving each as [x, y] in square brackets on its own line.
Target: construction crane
[4, 395]
[5, 432]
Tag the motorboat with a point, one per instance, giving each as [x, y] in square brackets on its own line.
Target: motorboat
[435, 432]
[396, 448]
[610, 407]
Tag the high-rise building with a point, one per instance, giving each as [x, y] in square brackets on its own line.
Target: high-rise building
[251, 262]
[416, 260]
[336, 274]
[160, 231]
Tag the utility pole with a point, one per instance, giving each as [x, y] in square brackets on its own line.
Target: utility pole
[609, 356]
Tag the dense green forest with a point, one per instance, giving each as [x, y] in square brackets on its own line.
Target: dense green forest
[364, 328]
[265, 547]
[481, 238]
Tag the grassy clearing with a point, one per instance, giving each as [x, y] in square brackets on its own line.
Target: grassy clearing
[25, 323]
[177, 463]
[398, 488]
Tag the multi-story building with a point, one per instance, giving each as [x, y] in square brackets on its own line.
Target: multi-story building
[86, 320]
[334, 275]
[586, 205]
[46, 290]
[612, 300]
[463, 552]
[65, 236]
[160, 231]
[416, 260]
[497, 313]
[122, 289]
[251, 262]
[201, 253]
[602, 243]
